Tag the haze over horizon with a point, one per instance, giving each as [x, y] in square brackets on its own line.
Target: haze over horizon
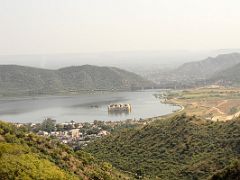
[135, 61]
[60, 26]
[134, 35]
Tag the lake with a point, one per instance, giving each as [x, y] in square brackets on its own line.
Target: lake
[83, 108]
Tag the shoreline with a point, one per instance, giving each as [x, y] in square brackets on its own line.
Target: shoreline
[178, 109]
[66, 95]
[166, 115]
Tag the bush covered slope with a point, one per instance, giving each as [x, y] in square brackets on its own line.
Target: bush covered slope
[176, 148]
[229, 173]
[17, 162]
[28, 156]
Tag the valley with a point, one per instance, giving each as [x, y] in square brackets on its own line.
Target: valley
[188, 130]
[119, 90]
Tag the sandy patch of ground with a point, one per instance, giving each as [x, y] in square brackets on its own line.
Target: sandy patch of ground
[215, 104]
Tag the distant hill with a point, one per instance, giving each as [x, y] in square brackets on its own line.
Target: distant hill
[230, 76]
[206, 68]
[22, 80]
[179, 147]
[95, 77]
[198, 72]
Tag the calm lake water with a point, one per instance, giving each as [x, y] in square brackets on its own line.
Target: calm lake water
[80, 108]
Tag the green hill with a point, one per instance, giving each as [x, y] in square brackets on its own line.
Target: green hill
[181, 147]
[28, 156]
[95, 77]
[21, 80]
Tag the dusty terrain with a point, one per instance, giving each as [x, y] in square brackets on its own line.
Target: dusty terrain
[213, 103]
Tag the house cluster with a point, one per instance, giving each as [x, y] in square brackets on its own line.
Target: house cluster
[75, 134]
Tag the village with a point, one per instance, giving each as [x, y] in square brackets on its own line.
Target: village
[75, 134]
[79, 134]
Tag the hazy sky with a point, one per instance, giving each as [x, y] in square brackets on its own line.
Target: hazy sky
[60, 26]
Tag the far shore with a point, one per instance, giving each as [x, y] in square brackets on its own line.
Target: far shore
[59, 107]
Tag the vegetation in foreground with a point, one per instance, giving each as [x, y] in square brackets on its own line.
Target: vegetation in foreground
[229, 173]
[28, 156]
[181, 147]
[178, 147]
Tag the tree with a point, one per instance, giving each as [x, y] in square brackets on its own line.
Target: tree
[60, 127]
[48, 125]
[139, 174]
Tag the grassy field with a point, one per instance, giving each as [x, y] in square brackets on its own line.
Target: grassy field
[215, 103]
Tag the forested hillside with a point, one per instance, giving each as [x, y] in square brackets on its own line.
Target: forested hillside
[229, 173]
[27, 156]
[22, 80]
[181, 147]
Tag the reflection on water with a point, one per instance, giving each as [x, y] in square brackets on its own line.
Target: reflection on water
[84, 108]
[118, 113]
